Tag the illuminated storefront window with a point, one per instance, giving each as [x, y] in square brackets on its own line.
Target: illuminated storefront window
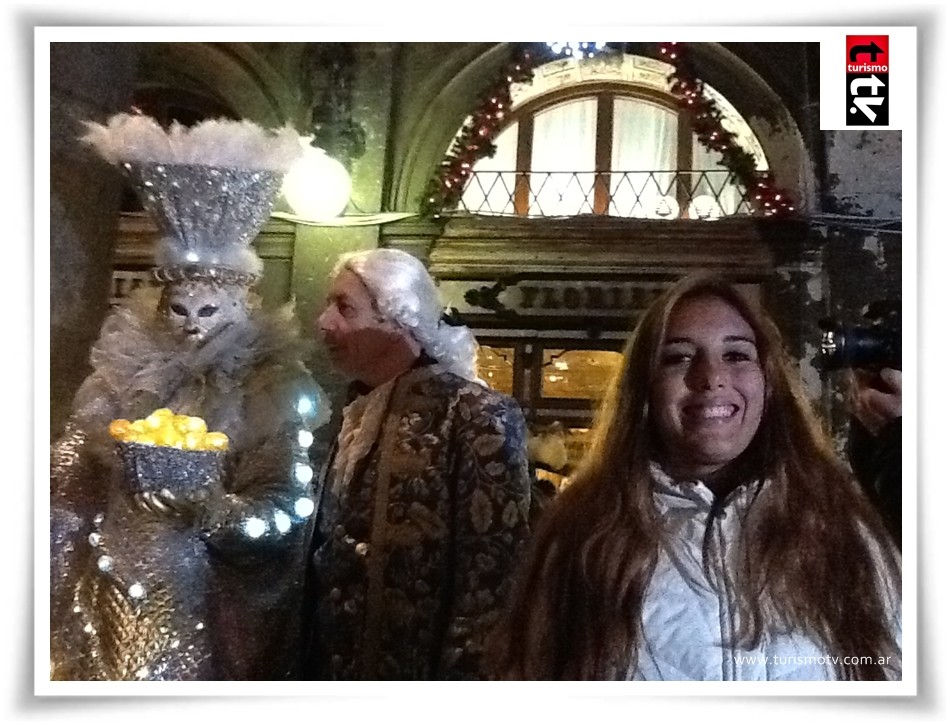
[496, 367]
[578, 374]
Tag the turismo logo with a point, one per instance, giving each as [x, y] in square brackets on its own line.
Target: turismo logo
[866, 74]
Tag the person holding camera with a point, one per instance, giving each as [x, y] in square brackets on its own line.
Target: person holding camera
[871, 355]
[874, 442]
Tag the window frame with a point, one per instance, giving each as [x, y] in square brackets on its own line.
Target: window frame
[605, 93]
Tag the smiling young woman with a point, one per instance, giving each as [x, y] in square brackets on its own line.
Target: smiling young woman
[709, 392]
[711, 531]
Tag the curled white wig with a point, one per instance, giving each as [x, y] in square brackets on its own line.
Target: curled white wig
[405, 294]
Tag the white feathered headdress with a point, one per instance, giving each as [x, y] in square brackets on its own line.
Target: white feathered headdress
[210, 187]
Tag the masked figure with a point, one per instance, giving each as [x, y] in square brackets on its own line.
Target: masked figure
[163, 567]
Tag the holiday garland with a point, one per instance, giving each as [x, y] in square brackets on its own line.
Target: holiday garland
[476, 139]
[706, 119]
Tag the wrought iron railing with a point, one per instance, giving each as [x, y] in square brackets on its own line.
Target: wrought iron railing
[637, 194]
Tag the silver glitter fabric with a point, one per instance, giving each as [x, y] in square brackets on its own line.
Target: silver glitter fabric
[154, 468]
[208, 215]
[149, 586]
[211, 587]
[140, 604]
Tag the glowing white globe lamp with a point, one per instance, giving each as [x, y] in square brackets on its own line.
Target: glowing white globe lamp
[666, 208]
[317, 187]
[704, 206]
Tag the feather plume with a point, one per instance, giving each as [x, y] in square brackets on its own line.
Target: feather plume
[135, 138]
[210, 187]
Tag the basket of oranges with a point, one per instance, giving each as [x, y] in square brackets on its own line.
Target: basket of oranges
[169, 451]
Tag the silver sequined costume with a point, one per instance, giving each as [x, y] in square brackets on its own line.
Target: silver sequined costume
[210, 589]
[137, 595]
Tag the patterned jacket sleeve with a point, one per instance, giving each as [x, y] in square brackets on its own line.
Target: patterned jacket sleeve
[492, 489]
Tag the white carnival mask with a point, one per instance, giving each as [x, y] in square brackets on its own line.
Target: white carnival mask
[195, 310]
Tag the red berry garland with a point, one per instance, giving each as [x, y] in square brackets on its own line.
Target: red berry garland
[476, 139]
[706, 119]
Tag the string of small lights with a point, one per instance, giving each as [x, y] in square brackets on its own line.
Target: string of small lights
[706, 119]
[576, 50]
[476, 138]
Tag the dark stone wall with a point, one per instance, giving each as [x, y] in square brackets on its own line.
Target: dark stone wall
[88, 81]
[849, 256]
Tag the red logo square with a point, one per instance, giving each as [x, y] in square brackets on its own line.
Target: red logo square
[867, 54]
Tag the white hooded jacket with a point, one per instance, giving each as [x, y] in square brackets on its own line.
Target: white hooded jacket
[690, 618]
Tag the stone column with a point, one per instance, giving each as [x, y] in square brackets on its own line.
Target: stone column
[88, 81]
[317, 248]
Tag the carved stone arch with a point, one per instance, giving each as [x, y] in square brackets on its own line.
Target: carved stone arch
[768, 112]
[235, 76]
[451, 91]
[734, 77]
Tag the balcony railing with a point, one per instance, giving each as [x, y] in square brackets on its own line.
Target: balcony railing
[634, 194]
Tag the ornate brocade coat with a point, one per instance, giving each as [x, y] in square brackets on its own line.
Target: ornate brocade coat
[424, 512]
[137, 595]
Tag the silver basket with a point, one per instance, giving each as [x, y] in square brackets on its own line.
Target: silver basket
[153, 468]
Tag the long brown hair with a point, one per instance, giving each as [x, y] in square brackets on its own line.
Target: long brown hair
[815, 556]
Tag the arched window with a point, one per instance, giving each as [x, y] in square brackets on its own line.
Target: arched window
[605, 136]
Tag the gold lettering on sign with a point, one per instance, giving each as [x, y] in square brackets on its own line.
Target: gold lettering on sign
[587, 297]
[595, 297]
[527, 296]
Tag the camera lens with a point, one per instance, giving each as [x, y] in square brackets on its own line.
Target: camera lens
[833, 348]
[859, 347]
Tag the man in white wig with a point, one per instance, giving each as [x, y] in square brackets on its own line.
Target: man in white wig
[170, 562]
[424, 506]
